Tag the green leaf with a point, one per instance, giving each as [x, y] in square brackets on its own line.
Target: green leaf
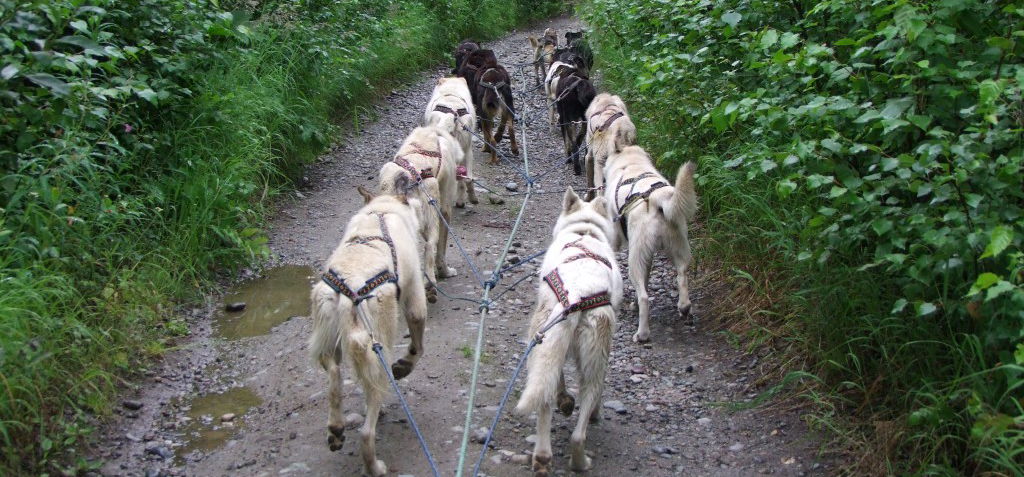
[148, 95]
[769, 38]
[1000, 238]
[881, 226]
[899, 306]
[785, 187]
[920, 121]
[56, 85]
[988, 92]
[926, 308]
[85, 43]
[998, 289]
[1018, 355]
[732, 18]
[984, 281]
[836, 192]
[789, 39]
[9, 71]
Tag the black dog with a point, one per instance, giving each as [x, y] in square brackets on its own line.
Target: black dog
[464, 49]
[575, 92]
[577, 43]
[490, 85]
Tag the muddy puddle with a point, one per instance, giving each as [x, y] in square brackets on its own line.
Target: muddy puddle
[280, 293]
[207, 430]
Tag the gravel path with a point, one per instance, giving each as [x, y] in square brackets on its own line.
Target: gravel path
[665, 406]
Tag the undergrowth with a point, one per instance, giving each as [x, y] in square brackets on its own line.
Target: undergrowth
[140, 142]
[860, 169]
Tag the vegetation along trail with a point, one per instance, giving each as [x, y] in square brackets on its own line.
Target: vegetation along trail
[242, 398]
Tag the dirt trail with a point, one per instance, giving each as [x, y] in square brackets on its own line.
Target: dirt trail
[672, 420]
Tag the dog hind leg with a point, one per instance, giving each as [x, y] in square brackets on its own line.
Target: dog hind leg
[335, 418]
[368, 433]
[681, 258]
[593, 347]
[640, 257]
[415, 317]
[542, 450]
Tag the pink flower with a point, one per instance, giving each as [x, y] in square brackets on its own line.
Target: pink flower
[128, 128]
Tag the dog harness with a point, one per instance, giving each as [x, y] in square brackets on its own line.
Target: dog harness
[334, 280]
[418, 175]
[634, 198]
[607, 122]
[458, 113]
[485, 84]
[554, 281]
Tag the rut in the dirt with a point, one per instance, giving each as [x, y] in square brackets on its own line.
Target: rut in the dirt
[663, 411]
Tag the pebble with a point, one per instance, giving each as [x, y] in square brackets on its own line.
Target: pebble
[495, 200]
[616, 406]
[664, 450]
[512, 186]
[532, 438]
[236, 306]
[295, 467]
[704, 421]
[651, 408]
[353, 420]
[132, 405]
[736, 447]
[520, 459]
[638, 378]
[227, 417]
[161, 451]
[480, 435]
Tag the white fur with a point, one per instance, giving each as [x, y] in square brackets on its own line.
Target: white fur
[442, 187]
[587, 335]
[620, 134]
[660, 222]
[551, 88]
[453, 93]
[337, 332]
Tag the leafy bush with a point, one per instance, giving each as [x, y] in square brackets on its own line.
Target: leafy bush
[869, 152]
[139, 142]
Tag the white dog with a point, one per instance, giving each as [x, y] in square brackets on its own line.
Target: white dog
[609, 130]
[451, 109]
[581, 281]
[377, 268]
[651, 214]
[427, 159]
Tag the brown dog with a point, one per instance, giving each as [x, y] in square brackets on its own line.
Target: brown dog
[543, 52]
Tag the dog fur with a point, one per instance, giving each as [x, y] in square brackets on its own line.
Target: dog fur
[585, 335]
[339, 335]
[453, 93]
[576, 42]
[442, 186]
[619, 134]
[543, 52]
[462, 51]
[492, 103]
[556, 71]
[659, 222]
[574, 95]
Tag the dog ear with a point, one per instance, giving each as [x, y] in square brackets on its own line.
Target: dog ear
[571, 201]
[367, 195]
[402, 186]
[600, 205]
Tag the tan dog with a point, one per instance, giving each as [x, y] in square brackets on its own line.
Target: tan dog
[543, 51]
[451, 109]
[651, 214]
[427, 160]
[609, 130]
[379, 255]
[580, 275]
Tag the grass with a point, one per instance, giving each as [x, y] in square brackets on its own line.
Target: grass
[76, 329]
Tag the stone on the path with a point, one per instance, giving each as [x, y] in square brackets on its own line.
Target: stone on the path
[512, 186]
[480, 435]
[617, 406]
[664, 450]
[736, 447]
[353, 420]
[159, 450]
[532, 438]
[495, 199]
[228, 417]
[638, 378]
[520, 459]
[496, 459]
[131, 405]
[236, 306]
[295, 467]
[704, 421]
[651, 408]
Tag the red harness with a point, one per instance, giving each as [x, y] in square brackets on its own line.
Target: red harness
[333, 280]
[417, 150]
[554, 281]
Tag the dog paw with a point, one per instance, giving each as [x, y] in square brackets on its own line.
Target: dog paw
[641, 336]
[336, 438]
[515, 151]
[460, 205]
[584, 466]
[566, 403]
[541, 465]
[446, 272]
[401, 368]
[473, 200]
[378, 469]
[595, 416]
[684, 312]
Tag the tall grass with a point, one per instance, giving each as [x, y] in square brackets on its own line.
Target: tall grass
[94, 256]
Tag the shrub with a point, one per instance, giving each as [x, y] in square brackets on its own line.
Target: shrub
[870, 154]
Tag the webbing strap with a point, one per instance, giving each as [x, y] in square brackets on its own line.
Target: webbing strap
[454, 112]
[337, 283]
[608, 122]
[586, 253]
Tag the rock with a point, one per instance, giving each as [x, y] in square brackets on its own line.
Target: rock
[495, 459]
[520, 459]
[494, 199]
[638, 378]
[131, 405]
[353, 420]
[616, 406]
[227, 417]
[295, 467]
[159, 450]
[704, 421]
[512, 186]
[532, 438]
[736, 447]
[236, 306]
[689, 368]
[651, 408]
[637, 369]
[665, 450]
[480, 435]
[133, 437]
[292, 436]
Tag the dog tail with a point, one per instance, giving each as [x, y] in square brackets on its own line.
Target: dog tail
[678, 203]
[533, 42]
[544, 366]
[625, 135]
[327, 313]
